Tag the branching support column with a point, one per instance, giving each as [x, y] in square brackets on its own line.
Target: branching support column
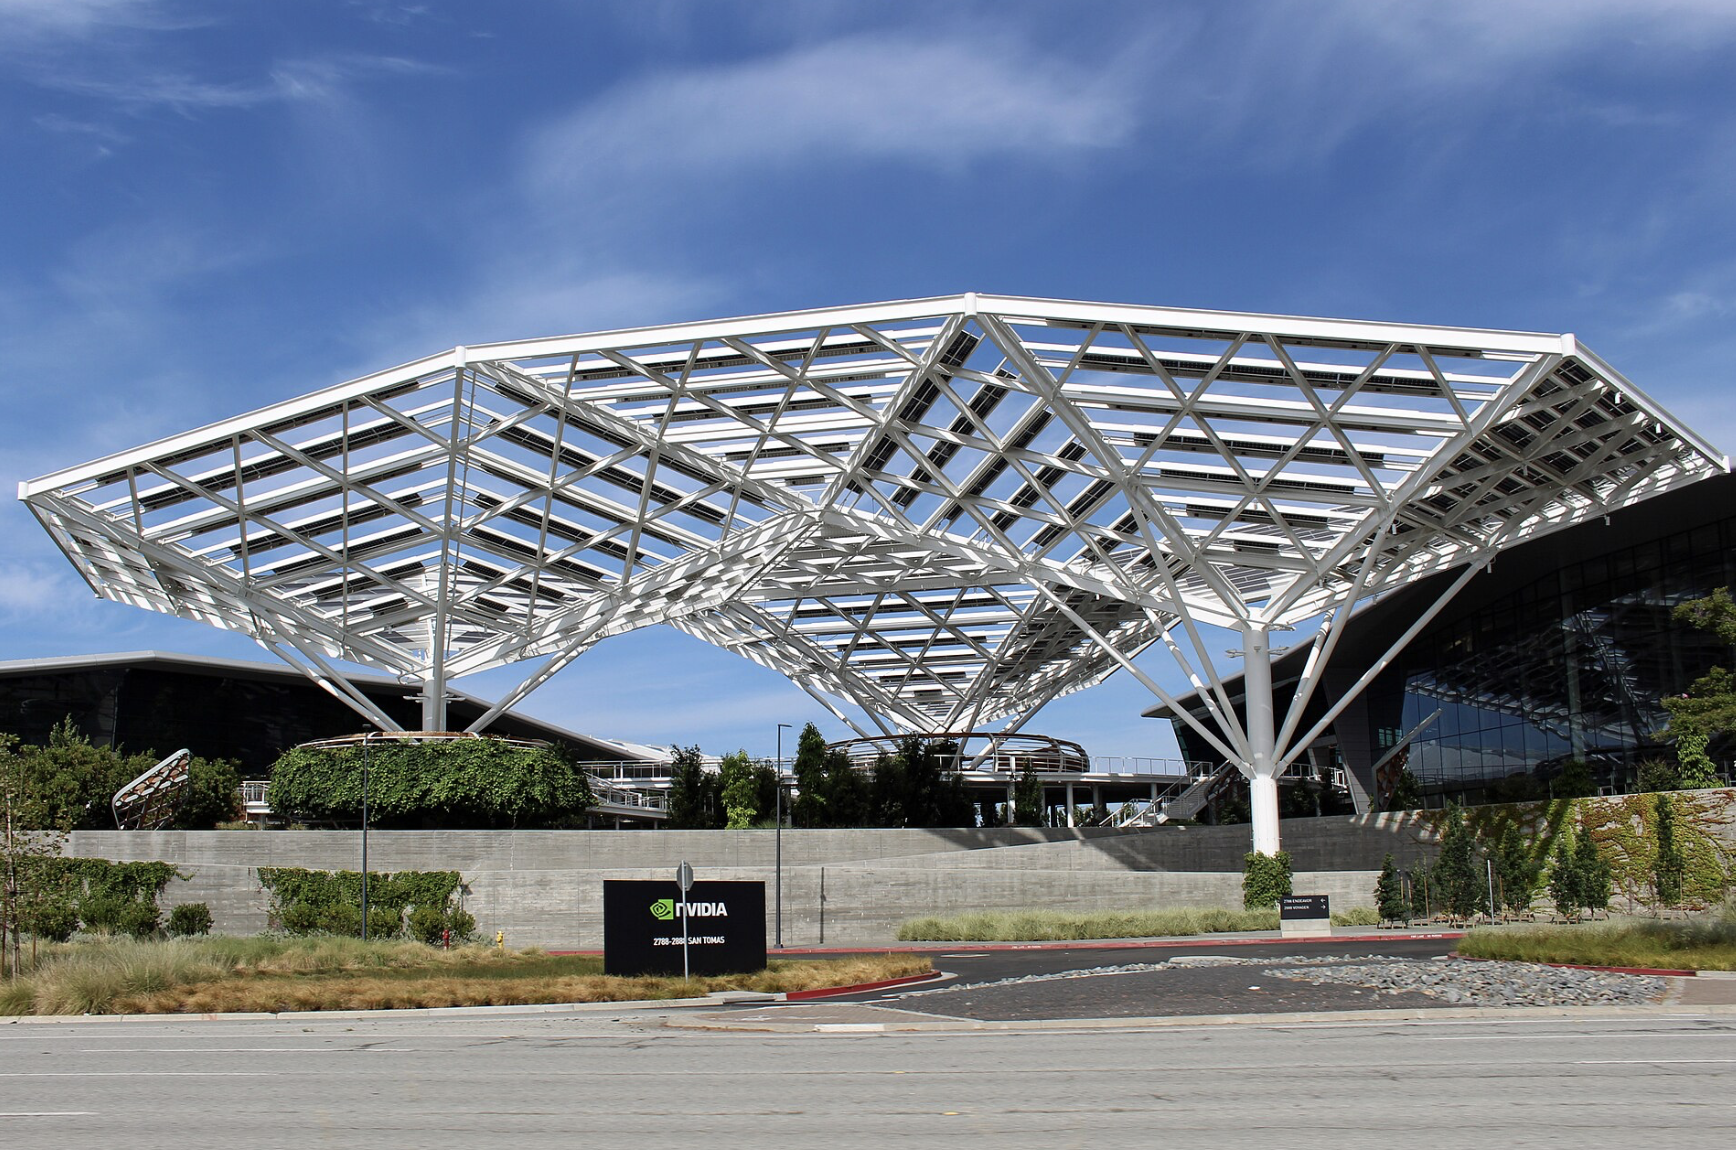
[1262, 766]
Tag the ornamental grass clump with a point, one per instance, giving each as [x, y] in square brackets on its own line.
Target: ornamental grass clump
[1700, 944]
[1050, 925]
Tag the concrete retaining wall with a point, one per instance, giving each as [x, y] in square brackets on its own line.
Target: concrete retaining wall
[544, 888]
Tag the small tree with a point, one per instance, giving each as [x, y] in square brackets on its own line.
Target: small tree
[1028, 798]
[739, 790]
[1594, 874]
[1459, 879]
[692, 791]
[32, 831]
[1422, 894]
[1516, 871]
[1566, 887]
[1668, 866]
[809, 769]
[1389, 896]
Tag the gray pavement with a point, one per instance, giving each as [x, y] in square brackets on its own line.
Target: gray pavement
[592, 1080]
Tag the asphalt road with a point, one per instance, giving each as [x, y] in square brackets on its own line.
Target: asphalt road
[586, 1079]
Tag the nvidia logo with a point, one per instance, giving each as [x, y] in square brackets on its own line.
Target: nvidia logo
[663, 909]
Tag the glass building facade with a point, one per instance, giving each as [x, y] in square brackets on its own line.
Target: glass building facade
[1561, 651]
[1569, 666]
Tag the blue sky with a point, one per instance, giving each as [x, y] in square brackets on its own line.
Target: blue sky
[208, 207]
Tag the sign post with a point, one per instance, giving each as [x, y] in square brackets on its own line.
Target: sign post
[684, 880]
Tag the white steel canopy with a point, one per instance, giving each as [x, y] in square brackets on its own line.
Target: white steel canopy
[946, 512]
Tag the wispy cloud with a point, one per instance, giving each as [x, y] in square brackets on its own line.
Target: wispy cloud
[928, 101]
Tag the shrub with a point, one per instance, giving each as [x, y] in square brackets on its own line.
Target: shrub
[1566, 885]
[139, 919]
[53, 922]
[427, 922]
[1669, 865]
[1265, 879]
[189, 918]
[1357, 916]
[100, 912]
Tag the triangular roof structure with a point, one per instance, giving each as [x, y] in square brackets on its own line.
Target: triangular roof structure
[946, 512]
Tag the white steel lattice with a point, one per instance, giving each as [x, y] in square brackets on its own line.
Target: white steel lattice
[946, 512]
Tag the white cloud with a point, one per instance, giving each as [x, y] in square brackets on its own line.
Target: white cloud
[64, 18]
[934, 102]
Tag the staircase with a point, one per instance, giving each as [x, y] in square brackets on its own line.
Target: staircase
[1184, 800]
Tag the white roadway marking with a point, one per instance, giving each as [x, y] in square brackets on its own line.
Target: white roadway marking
[1651, 1061]
[134, 1074]
[1662, 1035]
[208, 1050]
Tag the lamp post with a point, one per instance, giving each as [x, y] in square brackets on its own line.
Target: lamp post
[778, 885]
[367, 739]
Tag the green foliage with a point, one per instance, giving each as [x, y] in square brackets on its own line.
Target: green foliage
[51, 922]
[1668, 865]
[1407, 793]
[1422, 894]
[190, 918]
[693, 798]
[469, 783]
[1574, 782]
[139, 919]
[1698, 770]
[78, 780]
[1715, 613]
[1028, 798]
[739, 791]
[1516, 871]
[1389, 894]
[1265, 879]
[1659, 775]
[1594, 874]
[30, 835]
[429, 923]
[1566, 885]
[311, 902]
[1458, 879]
[913, 787]
[810, 808]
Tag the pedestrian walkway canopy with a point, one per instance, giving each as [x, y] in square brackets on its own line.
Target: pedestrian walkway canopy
[932, 514]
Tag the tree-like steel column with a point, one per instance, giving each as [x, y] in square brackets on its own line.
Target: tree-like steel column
[1261, 766]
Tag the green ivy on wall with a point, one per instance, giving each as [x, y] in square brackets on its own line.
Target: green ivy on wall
[461, 783]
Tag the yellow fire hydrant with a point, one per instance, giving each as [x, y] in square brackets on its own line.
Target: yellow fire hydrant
[500, 939]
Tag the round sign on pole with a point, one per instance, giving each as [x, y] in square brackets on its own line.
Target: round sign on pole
[684, 877]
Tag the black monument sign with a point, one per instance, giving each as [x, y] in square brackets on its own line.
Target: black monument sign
[644, 922]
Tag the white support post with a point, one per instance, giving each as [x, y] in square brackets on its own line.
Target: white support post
[1261, 767]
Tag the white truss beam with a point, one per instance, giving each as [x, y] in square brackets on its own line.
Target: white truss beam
[937, 511]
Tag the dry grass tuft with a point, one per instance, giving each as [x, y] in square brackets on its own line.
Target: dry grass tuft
[1704, 944]
[221, 975]
[1051, 925]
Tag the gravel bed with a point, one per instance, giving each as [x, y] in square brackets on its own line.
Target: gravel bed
[1453, 982]
[1484, 983]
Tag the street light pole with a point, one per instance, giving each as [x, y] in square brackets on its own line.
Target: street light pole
[367, 739]
[779, 835]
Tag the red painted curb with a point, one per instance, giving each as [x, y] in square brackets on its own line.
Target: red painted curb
[1092, 944]
[860, 987]
[1660, 972]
